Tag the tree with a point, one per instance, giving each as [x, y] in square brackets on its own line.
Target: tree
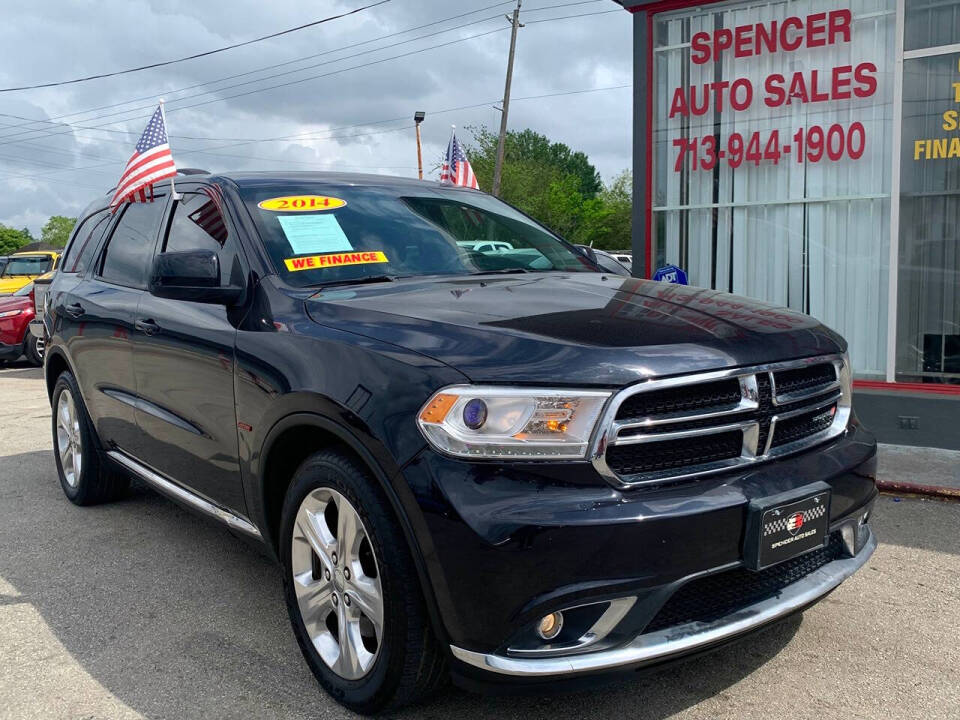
[12, 239]
[57, 230]
[557, 186]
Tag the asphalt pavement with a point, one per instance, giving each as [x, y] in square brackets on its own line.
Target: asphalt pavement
[140, 609]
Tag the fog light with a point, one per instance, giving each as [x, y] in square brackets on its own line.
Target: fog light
[550, 625]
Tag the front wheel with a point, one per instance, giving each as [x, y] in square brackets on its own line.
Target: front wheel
[356, 608]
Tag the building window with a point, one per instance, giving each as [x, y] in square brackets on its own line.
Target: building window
[772, 140]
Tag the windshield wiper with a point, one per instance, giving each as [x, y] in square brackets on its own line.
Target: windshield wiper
[356, 281]
[504, 271]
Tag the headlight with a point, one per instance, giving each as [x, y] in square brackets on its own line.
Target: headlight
[472, 421]
[10, 313]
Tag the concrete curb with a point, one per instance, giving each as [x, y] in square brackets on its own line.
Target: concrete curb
[906, 488]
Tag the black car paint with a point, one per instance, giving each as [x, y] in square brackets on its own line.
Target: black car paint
[209, 398]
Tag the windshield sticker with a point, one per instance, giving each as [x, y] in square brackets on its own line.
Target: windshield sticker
[301, 203]
[316, 262]
[314, 234]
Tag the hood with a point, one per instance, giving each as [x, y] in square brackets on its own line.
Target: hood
[9, 285]
[579, 328]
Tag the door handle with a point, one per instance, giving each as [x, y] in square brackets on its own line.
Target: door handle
[149, 327]
[75, 310]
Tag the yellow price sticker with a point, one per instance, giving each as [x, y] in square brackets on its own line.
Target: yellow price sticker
[301, 203]
[316, 262]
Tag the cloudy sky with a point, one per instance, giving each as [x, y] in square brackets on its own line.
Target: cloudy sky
[337, 93]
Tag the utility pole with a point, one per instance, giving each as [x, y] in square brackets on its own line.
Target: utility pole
[417, 119]
[498, 168]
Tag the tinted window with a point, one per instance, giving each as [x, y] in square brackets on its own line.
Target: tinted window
[85, 241]
[131, 246]
[198, 224]
[413, 230]
[611, 265]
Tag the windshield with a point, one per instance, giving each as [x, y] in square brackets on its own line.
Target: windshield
[320, 234]
[27, 265]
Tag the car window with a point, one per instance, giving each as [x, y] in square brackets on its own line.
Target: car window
[198, 223]
[84, 242]
[27, 265]
[130, 249]
[340, 233]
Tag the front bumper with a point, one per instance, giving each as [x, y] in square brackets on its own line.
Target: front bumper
[506, 544]
[10, 352]
[680, 640]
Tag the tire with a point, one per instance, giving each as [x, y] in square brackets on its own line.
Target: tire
[33, 349]
[85, 475]
[395, 666]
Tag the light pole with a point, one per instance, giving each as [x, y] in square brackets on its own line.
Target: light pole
[418, 117]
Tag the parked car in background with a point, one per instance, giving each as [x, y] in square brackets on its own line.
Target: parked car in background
[16, 312]
[605, 260]
[3, 262]
[41, 286]
[23, 267]
[624, 258]
[510, 467]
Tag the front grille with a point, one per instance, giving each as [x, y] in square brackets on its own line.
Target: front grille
[715, 596]
[805, 425]
[676, 428]
[709, 395]
[630, 459]
[790, 382]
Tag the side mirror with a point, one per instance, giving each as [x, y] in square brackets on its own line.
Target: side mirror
[192, 275]
[588, 251]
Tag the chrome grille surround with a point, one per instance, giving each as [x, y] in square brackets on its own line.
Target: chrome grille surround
[650, 430]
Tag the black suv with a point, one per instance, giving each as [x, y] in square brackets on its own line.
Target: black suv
[503, 465]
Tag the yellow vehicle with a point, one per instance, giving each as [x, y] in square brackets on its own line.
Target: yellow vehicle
[22, 267]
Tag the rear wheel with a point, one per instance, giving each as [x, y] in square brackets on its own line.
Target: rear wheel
[85, 477]
[33, 349]
[356, 609]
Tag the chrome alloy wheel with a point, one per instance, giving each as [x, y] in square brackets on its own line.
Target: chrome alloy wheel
[69, 443]
[337, 583]
[41, 346]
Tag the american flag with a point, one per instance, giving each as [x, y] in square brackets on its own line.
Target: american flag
[209, 216]
[150, 162]
[456, 168]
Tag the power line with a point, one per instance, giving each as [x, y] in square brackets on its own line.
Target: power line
[187, 137]
[196, 55]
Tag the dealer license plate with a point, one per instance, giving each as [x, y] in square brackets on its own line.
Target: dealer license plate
[786, 530]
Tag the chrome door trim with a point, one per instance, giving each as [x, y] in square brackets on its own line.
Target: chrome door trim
[178, 492]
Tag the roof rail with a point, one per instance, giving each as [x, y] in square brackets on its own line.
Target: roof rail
[192, 171]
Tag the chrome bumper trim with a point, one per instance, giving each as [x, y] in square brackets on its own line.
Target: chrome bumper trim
[178, 492]
[659, 645]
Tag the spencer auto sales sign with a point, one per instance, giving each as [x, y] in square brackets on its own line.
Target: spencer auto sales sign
[776, 90]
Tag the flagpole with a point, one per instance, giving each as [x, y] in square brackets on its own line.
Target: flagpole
[163, 115]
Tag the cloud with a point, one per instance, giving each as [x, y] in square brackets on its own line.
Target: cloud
[55, 168]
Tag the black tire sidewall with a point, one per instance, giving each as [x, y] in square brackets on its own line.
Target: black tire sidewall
[376, 689]
[31, 351]
[90, 461]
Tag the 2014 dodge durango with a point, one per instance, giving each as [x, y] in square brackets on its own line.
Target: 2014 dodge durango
[508, 466]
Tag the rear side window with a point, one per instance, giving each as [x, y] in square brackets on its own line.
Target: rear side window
[130, 248]
[85, 241]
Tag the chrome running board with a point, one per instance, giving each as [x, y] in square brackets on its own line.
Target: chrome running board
[681, 639]
[178, 492]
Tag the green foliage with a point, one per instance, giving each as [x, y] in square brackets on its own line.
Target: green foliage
[57, 230]
[556, 186]
[12, 239]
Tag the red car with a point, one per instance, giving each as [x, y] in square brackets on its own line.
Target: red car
[16, 312]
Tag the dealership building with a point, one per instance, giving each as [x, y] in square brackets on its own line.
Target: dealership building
[807, 153]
